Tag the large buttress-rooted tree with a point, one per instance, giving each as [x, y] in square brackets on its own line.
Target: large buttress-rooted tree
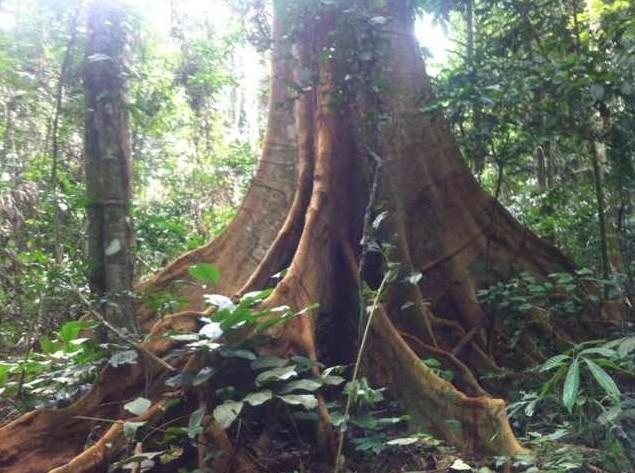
[347, 138]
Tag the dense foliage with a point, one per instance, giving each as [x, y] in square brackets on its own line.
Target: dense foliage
[540, 95]
[536, 91]
[194, 149]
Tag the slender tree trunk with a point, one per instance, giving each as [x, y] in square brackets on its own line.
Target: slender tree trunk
[478, 149]
[601, 209]
[108, 168]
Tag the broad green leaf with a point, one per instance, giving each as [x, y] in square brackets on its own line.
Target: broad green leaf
[220, 301]
[204, 272]
[571, 385]
[308, 401]
[237, 353]
[226, 413]
[276, 374]
[211, 331]
[302, 385]
[4, 372]
[604, 380]
[263, 362]
[70, 330]
[260, 397]
[48, 346]
[138, 406]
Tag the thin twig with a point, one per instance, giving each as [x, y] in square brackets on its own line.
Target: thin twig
[358, 361]
[362, 306]
[366, 232]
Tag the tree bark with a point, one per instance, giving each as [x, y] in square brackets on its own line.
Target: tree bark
[353, 109]
[108, 167]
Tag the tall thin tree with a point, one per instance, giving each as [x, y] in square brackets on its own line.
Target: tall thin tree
[108, 169]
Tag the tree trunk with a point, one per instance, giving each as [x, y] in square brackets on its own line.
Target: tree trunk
[361, 89]
[107, 149]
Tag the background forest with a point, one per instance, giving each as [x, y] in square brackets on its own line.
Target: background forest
[540, 95]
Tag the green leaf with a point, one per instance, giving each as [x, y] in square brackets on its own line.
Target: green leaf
[260, 397]
[308, 401]
[138, 406]
[607, 352]
[194, 423]
[70, 330]
[204, 272]
[604, 380]
[403, 441]
[237, 353]
[332, 380]
[571, 385]
[220, 301]
[226, 413]
[553, 362]
[211, 331]
[302, 385]
[276, 374]
[203, 375]
[130, 429]
[626, 346]
[48, 346]
[196, 418]
[263, 362]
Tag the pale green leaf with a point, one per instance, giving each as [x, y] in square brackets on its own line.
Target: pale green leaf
[308, 401]
[553, 362]
[225, 414]
[571, 385]
[604, 380]
[258, 398]
[302, 385]
[130, 429]
[138, 406]
[276, 374]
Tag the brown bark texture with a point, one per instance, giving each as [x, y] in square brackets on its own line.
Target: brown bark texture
[346, 115]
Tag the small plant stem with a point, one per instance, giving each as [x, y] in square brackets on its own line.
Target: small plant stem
[358, 362]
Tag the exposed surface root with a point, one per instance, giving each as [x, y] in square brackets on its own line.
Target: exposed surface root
[474, 423]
